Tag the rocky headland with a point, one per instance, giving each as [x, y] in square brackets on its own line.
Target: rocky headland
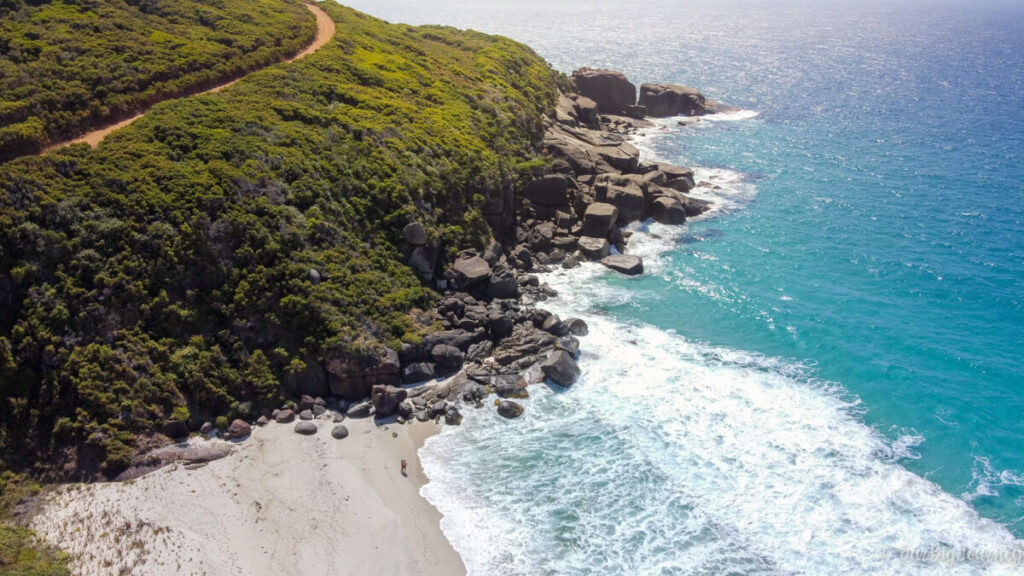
[494, 336]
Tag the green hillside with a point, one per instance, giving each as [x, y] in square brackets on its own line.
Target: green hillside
[167, 272]
[69, 65]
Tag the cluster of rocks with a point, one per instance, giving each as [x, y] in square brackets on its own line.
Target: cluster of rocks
[494, 338]
[612, 93]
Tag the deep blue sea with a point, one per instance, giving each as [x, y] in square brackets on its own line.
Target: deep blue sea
[822, 373]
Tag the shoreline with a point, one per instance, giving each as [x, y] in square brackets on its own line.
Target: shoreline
[279, 502]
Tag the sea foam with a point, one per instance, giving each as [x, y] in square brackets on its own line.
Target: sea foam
[674, 457]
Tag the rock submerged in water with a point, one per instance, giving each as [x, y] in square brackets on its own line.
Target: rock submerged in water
[510, 409]
[624, 263]
[594, 248]
[577, 326]
[561, 368]
[668, 211]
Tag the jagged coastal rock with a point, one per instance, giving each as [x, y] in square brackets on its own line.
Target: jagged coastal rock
[609, 89]
[664, 100]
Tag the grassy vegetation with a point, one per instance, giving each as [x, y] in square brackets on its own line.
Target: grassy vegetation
[169, 268]
[20, 553]
[69, 65]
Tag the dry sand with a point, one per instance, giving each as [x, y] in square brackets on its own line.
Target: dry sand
[280, 504]
[324, 32]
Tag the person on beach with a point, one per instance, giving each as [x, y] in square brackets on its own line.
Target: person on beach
[403, 468]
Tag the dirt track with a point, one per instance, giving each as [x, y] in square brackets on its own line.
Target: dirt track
[324, 32]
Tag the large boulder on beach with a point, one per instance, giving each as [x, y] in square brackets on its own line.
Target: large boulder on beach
[352, 376]
[339, 432]
[599, 219]
[510, 409]
[284, 416]
[587, 111]
[594, 248]
[611, 90]
[385, 399]
[417, 372]
[668, 210]
[577, 326]
[452, 416]
[447, 356]
[623, 156]
[554, 325]
[470, 271]
[175, 429]
[663, 100]
[502, 283]
[550, 190]
[571, 151]
[561, 368]
[461, 339]
[306, 428]
[361, 410]
[541, 237]
[624, 263]
[628, 197]
[694, 206]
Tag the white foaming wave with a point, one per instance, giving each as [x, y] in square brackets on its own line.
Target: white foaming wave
[731, 116]
[669, 457]
[987, 480]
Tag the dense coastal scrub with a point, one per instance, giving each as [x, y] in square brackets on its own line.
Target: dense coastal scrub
[70, 65]
[224, 244]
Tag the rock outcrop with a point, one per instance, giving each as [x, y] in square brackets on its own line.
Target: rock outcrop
[493, 337]
[353, 378]
[611, 90]
[664, 100]
[385, 399]
[624, 263]
[510, 409]
[561, 368]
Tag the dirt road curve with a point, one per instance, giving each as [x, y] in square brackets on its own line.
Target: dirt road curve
[324, 33]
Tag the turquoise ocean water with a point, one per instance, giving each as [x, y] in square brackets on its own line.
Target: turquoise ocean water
[825, 371]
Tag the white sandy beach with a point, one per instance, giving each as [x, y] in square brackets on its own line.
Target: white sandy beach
[281, 504]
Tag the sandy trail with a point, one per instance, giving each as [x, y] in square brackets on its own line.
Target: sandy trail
[281, 504]
[324, 32]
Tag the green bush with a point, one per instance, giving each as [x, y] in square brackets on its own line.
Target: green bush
[67, 66]
[169, 267]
